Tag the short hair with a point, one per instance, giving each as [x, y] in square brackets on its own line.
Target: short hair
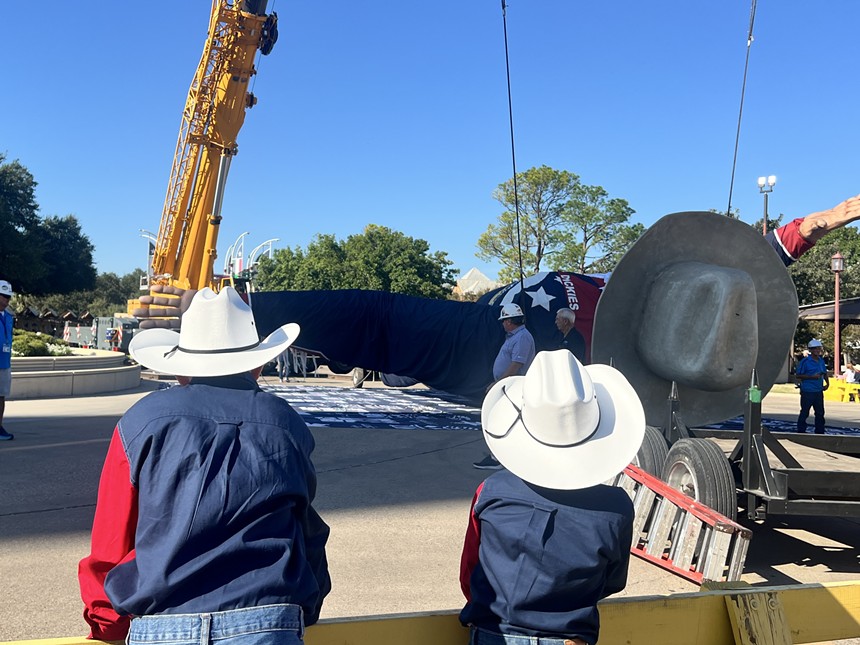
[567, 314]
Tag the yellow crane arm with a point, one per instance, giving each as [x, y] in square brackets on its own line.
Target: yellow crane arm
[185, 249]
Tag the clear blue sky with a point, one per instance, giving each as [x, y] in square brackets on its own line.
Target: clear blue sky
[395, 113]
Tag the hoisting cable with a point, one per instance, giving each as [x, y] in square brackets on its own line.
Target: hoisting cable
[513, 154]
[741, 111]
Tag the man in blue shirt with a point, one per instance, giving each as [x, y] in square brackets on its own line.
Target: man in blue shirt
[6, 324]
[811, 375]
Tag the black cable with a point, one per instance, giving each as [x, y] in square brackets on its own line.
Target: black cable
[741, 111]
[513, 154]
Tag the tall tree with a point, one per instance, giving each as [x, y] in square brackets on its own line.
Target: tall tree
[21, 254]
[378, 258]
[595, 232]
[542, 195]
[39, 256]
[564, 225]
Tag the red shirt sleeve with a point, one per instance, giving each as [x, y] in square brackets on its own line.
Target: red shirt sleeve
[112, 543]
[469, 558]
[791, 242]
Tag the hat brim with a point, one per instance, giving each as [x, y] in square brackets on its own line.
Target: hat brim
[152, 349]
[708, 238]
[606, 453]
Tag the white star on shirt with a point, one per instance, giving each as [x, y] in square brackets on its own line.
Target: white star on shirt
[540, 298]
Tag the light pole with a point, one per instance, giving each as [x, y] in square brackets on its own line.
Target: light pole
[837, 264]
[765, 186]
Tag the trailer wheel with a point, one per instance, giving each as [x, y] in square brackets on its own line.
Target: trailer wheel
[652, 453]
[358, 377]
[699, 469]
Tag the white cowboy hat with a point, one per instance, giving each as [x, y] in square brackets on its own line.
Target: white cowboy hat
[218, 337]
[562, 425]
[700, 299]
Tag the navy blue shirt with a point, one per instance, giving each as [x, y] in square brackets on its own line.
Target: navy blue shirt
[546, 557]
[225, 519]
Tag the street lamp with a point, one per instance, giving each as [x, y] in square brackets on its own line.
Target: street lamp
[765, 186]
[837, 264]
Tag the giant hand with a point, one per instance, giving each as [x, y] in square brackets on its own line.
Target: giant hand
[163, 307]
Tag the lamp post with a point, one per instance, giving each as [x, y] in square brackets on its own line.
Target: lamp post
[837, 264]
[765, 186]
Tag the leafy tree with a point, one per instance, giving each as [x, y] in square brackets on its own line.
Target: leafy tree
[39, 256]
[563, 223]
[596, 233]
[378, 258]
[109, 296]
[815, 283]
[21, 256]
[542, 196]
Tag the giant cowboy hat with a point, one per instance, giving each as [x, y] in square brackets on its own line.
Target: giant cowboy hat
[700, 299]
[218, 337]
[562, 425]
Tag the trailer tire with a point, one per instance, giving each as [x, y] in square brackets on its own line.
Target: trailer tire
[653, 452]
[699, 469]
[358, 377]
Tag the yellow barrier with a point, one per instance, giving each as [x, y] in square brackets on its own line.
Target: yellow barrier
[787, 614]
[841, 391]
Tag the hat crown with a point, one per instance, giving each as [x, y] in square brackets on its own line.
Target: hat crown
[814, 343]
[558, 403]
[218, 322]
[6, 289]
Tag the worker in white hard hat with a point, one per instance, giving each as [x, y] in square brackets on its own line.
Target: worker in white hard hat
[513, 359]
[811, 375]
[6, 324]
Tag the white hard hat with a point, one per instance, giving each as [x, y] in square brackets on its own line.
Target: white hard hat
[510, 310]
[814, 343]
[6, 289]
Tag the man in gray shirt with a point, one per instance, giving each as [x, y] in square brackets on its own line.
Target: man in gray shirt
[513, 359]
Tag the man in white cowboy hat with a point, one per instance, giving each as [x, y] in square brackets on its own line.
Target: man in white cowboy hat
[204, 525]
[7, 322]
[811, 373]
[514, 357]
[546, 540]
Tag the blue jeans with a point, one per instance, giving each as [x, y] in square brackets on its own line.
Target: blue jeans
[483, 637]
[265, 625]
[814, 400]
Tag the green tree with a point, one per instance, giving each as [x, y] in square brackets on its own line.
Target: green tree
[21, 255]
[378, 258]
[815, 283]
[39, 256]
[542, 196]
[595, 233]
[564, 224]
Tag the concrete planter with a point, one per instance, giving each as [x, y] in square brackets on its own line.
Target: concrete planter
[89, 371]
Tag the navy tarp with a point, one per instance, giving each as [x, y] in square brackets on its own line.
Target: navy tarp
[444, 344]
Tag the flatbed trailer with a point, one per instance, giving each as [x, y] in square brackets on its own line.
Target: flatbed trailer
[746, 477]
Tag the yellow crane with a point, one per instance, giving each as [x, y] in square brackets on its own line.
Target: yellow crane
[185, 248]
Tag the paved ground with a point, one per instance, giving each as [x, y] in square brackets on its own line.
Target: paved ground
[397, 501]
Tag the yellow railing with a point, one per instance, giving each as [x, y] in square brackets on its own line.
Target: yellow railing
[731, 613]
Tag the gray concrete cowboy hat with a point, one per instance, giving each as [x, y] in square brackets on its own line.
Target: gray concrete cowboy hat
[700, 299]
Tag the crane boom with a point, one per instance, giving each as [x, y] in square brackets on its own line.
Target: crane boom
[185, 249]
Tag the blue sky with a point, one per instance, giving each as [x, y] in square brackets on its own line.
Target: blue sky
[395, 113]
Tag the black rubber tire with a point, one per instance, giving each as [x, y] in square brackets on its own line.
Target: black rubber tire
[653, 452]
[358, 377]
[699, 469]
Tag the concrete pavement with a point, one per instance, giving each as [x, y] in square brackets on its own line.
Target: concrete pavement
[397, 502]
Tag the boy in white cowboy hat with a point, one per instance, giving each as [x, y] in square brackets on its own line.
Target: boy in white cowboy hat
[204, 527]
[546, 541]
